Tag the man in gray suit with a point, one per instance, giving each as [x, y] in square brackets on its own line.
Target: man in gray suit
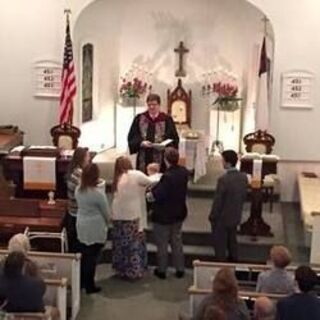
[226, 210]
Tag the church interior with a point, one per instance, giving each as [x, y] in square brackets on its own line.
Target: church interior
[233, 74]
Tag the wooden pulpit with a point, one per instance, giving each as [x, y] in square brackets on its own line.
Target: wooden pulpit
[13, 170]
[255, 225]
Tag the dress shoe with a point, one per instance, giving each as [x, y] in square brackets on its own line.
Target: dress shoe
[179, 274]
[93, 290]
[160, 275]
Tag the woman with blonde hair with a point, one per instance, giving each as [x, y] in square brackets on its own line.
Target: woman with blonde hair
[20, 243]
[129, 217]
[224, 296]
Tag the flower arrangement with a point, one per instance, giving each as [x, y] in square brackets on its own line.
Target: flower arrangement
[134, 88]
[226, 95]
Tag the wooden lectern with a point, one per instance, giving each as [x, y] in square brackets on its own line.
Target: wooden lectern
[255, 225]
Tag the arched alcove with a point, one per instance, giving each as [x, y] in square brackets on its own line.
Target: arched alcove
[220, 34]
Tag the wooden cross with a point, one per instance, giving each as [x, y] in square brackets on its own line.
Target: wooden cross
[181, 51]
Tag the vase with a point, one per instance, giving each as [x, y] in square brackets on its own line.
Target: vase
[130, 101]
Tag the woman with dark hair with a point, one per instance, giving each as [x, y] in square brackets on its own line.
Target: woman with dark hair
[22, 292]
[129, 217]
[80, 159]
[93, 218]
[225, 296]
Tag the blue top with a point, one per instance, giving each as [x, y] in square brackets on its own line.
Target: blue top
[93, 216]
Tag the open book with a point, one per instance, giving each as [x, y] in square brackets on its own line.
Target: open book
[162, 144]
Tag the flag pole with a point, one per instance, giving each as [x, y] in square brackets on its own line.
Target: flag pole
[265, 21]
[68, 80]
[67, 13]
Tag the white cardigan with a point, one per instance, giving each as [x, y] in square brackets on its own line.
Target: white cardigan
[129, 200]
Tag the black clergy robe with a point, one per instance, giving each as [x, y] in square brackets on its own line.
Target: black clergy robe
[154, 130]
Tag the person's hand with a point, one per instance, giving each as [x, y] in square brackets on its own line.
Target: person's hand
[146, 144]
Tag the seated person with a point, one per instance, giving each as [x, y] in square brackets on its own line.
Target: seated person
[263, 309]
[224, 296]
[20, 292]
[302, 305]
[277, 280]
[20, 243]
[214, 313]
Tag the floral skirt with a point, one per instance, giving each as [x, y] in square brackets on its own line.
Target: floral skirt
[129, 252]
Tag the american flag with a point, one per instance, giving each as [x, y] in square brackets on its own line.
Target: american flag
[68, 81]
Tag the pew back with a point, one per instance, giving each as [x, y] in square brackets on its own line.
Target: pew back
[197, 295]
[28, 316]
[60, 265]
[56, 295]
[204, 272]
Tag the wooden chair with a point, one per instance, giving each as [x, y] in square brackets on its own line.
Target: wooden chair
[65, 136]
[259, 141]
[262, 142]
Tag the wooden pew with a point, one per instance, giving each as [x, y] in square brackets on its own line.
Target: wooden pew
[309, 189]
[204, 272]
[56, 295]
[66, 265]
[17, 214]
[197, 295]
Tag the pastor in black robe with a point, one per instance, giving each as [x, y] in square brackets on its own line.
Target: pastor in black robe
[155, 130]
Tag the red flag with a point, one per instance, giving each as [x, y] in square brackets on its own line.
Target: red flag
[68, 81]
[262, 103]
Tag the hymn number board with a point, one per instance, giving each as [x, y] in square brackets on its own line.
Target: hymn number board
[47, 79]
[297, 89]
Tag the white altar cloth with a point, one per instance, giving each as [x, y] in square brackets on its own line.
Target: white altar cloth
[193, 154]
[39, 173]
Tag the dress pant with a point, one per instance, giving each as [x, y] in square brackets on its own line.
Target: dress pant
[165, 235]
[73, 242]
[89, 259]
[225, 240]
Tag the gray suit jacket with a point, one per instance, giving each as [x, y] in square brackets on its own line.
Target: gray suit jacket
[229, 198]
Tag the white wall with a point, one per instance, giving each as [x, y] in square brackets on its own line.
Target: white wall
[99, 25]
[148, 31]
[295, 26]
[29, 31]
